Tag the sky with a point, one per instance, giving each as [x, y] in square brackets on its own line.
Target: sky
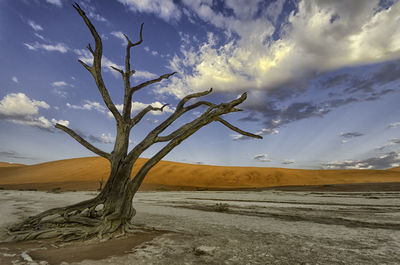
[322, 78]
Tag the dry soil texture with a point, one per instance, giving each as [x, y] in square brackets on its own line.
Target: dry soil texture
[267, 227]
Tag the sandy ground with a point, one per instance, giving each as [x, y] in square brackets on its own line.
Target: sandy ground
[205, 227]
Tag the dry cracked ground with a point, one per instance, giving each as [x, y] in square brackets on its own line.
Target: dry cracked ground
[209, 227]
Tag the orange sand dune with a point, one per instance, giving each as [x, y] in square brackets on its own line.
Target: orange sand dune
[85, 173]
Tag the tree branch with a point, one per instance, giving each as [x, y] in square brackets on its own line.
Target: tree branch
[194, 95]
[130, 44]
[236, 129]
[144, 84]
[141, 114]
[213, 112]
[126, 112]
[86, 66]
[175, 138]
[83, 141]
[118, 70]
[95, 70]
[90, 49]
[151, 138]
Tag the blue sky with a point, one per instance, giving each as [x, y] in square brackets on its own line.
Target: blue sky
[322, 78]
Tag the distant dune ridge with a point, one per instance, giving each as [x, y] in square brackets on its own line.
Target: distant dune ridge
[85, 174]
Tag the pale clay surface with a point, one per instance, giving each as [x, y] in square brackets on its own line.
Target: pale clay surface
[268, 227]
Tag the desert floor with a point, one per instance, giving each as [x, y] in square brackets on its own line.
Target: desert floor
[210, 227]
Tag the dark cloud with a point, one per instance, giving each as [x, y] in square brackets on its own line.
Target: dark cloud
[274, 117]
[12, 154]
[385, 74]
[262, 158]
[349, 135]
[336, 80]
[273, 114]
[391, 143]
[389, 160]
[102, 139]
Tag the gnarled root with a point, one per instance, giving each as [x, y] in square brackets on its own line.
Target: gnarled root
[78, 221]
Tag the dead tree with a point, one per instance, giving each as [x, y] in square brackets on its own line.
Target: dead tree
[101, 182]
[111, 211]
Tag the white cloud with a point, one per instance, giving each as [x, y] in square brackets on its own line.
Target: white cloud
[15, 79]
[103, 138]
[62, 122]
[59, 84]
[36, 27]
[88, 105]
[60, 92]
[262, 158]
[120, 35]
[321, 36]
[388, 160]
[288, 161]
[165, 9]
[59, 47]
[30, 47]
[145, 75]
[18, 108]
[59, 88]
[39, 36]
[19, 105]
[55, 2]
[394, 125]
[91, 12]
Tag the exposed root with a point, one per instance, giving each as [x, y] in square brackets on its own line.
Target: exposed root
[66, 212]
[76, 222]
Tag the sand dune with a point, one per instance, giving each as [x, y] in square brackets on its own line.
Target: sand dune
[85, 173]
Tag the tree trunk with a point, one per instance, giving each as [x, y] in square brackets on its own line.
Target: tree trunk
[117, 205]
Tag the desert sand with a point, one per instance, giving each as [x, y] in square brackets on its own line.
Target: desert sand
[188, 227]
[214, 227]
[85, 174]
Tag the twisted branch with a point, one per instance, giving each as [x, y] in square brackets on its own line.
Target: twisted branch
[135, 120]
[83, 141]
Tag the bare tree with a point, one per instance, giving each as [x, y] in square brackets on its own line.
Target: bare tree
[101, 182]
[86, 219]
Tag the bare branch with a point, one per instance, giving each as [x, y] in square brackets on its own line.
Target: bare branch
[140, 115]
[199, 103]
[131, 72]
[194, 95]
[90, 49]
[130, 44]
[151, 138]
[117, 69]
[159, 79]
[86, 66]
[95, 70]
[175, 139]
[83, 141]
[236, 129]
